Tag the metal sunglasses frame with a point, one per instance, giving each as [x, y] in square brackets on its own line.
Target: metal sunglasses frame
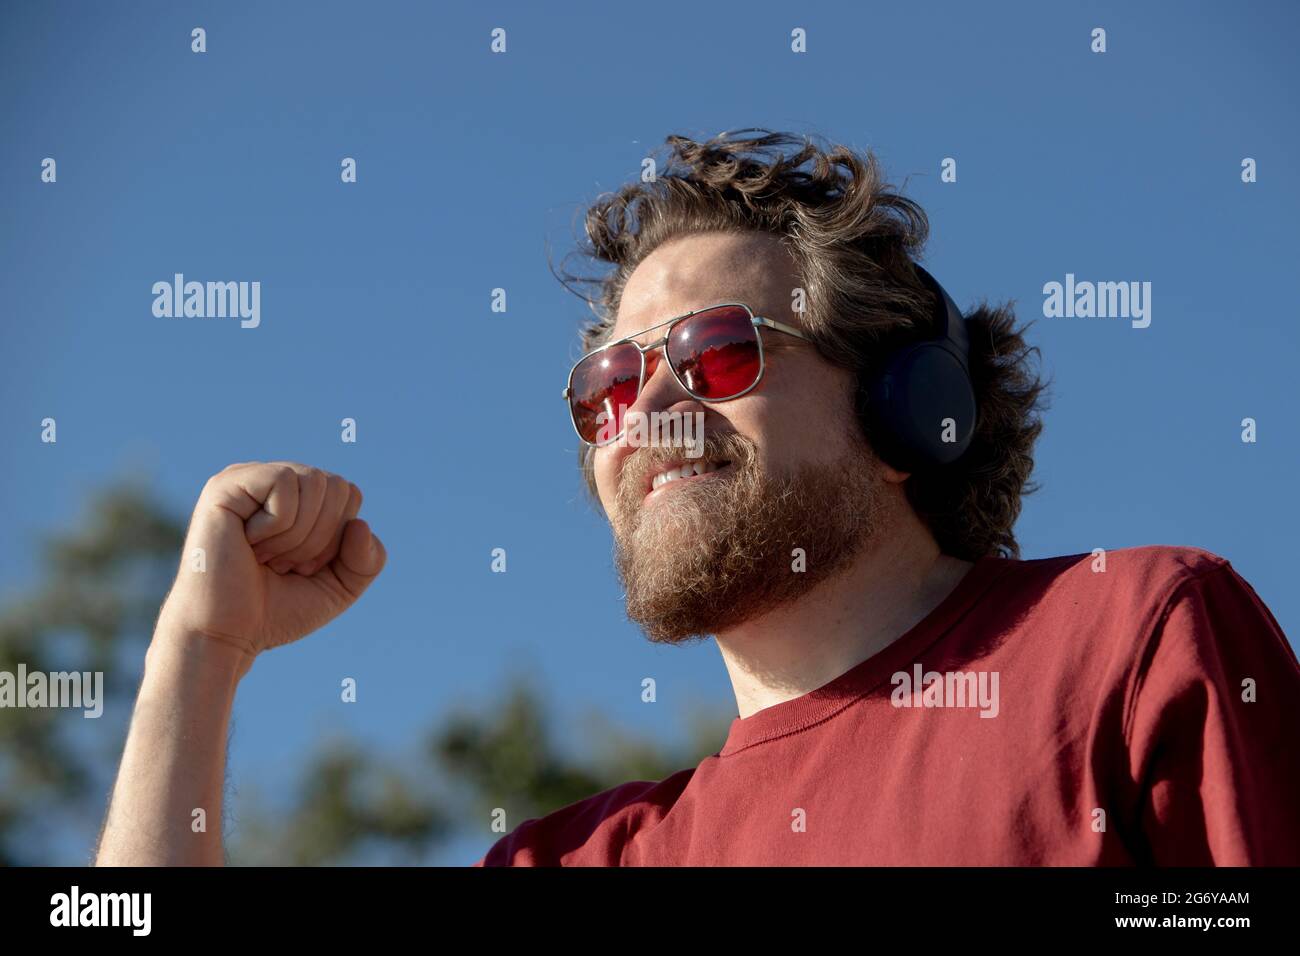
[757, 321]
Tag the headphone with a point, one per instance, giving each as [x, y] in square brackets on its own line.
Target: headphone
[921, 406]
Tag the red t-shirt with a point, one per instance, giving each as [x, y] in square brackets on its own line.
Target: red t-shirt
[1120, 729]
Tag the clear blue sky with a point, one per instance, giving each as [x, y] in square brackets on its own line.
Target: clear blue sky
[225, 166]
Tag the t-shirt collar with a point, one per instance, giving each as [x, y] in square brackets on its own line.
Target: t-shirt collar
[801, 712]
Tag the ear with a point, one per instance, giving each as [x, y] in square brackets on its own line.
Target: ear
[892, 474]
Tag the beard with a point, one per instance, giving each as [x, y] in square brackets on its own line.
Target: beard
[720, 550]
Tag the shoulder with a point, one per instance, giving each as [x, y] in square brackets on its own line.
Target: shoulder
[591, 831]
[1183, 613]
[1146, 588]
[1129, 579]
[1151, 563]
[1109, 605]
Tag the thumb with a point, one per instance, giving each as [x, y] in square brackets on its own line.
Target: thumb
[360, 559]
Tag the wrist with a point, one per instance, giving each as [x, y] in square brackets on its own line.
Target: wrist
[203, 651]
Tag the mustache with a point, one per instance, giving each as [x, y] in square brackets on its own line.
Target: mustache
[640, 465]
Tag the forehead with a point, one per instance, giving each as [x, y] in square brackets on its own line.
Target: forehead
[691, 272]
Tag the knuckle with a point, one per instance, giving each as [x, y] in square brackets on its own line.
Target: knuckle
[218, 480]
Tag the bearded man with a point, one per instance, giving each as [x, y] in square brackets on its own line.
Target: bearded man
[908, 690]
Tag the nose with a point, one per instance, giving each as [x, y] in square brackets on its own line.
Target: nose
[660, 392]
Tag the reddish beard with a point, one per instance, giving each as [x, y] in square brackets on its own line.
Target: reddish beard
[720, 550]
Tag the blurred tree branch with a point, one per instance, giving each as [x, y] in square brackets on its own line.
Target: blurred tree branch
[93, 608]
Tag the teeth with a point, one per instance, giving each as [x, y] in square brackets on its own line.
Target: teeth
[683, 471]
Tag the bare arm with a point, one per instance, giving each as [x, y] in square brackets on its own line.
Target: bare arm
[274, 551]
[174, 761]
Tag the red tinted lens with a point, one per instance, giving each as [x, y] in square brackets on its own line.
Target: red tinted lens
[716, 353]
[602, 388]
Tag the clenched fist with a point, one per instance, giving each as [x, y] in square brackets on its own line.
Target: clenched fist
[284, 554]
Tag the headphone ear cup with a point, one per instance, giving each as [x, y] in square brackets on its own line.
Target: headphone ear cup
[922, 408]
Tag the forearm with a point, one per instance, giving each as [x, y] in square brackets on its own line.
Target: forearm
[174, 761]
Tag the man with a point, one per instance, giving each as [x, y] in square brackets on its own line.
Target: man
[908, 691]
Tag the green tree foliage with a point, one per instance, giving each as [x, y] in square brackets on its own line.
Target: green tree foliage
[346, 802]
[509, 759]
[92, 607]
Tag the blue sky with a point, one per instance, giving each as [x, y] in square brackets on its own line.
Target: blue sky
[375, 295]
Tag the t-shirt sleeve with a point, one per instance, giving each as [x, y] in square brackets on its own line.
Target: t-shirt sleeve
[1212, 729]
[591, 832]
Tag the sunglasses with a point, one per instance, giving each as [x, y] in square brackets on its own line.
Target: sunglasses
[716, 354]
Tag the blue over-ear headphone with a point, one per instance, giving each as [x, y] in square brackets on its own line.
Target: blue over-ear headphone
[921, 406]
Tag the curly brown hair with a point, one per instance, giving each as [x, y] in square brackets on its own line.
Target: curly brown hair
[854, 240]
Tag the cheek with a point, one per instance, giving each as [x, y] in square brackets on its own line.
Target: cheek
[807, 416]
[606, 477]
